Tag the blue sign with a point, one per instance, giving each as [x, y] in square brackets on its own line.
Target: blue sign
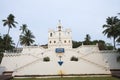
[59, 50]
[60, 63]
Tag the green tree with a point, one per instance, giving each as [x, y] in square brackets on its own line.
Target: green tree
[118, 31]
[23, 29]
[87, 40]
[111, 28]
[76, 44]
[109, 46]
[1, 48]
[101, 44]
[2, 44]
[118, 39]
[10, 44]
[27, 38]
[94, 42]
[10, 22]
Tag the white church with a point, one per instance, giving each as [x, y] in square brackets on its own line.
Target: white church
[60, 58]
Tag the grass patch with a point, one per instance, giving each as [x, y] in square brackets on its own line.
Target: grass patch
[71, 78]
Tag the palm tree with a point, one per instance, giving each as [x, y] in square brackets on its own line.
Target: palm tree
[10, 44]
[27, 38]
[23, 28]
[11, 23]
[118, 26]
[111, 28]
[118, 30]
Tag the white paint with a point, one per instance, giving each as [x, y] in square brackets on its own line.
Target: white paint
[90, 59]
[60, 38]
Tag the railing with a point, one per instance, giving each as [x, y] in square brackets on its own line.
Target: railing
[94, 63]
[28, 63]
[11, 54]
[33, 47]
[14, 51]
[108, 51]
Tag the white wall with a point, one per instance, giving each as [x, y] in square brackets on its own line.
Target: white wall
[59, 38]
[91, 61]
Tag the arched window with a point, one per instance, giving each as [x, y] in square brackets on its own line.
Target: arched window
[50, 34]
[64, 41]
[69, 41]
[54, 41]
[68, 33]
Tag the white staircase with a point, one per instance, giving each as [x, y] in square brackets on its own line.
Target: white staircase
[94, 63]
[28, 64]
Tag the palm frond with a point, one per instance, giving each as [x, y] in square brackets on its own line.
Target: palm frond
[5, 23]
[13, 25]
[15, 22]
[27, 38]
[4, 20]
[107, 26]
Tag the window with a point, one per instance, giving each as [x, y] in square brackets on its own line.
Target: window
[50, 42]
[54, 41]
[64, 41]
[68, 32]
[50, 34]
[69, 41]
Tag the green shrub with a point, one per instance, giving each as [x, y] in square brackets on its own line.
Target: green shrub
[46, 59]
[73, 58]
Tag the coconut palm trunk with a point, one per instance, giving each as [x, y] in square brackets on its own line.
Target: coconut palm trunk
[7, 37]
[17, 43]
[114, 43]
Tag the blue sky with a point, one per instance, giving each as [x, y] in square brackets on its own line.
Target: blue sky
[82, 16]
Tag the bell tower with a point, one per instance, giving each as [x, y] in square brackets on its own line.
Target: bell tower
[59, 38]
[59, 26]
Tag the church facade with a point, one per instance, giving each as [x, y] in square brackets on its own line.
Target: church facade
[60, 58]
[60, 38]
